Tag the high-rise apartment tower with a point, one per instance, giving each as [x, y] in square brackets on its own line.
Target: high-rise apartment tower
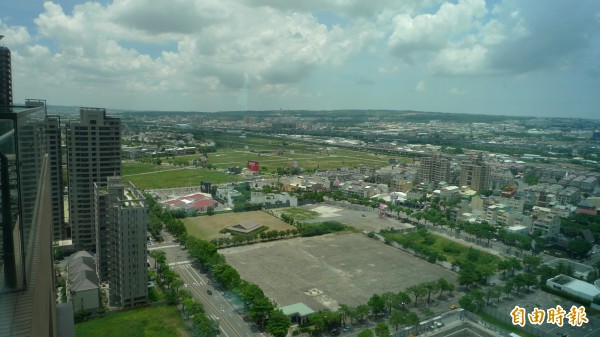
[475, 174]
[121, 222]
[93, 153]
[5, 77]
[433, 170]
[54, 150]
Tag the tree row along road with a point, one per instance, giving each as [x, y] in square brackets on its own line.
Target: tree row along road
[195, 281]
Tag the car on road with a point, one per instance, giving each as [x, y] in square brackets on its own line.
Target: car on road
[208, 291]
[347, 328]
[453, 306]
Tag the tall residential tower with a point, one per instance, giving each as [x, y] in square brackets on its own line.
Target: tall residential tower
[5, 77]
[93, 153]
[121, 221]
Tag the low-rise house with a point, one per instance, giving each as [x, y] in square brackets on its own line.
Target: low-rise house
[574, 286]
[83, 285]
[192, 203]
[226, 195]
[273, 200]
[585, 207]
[568, 196]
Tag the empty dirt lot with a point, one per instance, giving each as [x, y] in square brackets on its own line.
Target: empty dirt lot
[338, 268]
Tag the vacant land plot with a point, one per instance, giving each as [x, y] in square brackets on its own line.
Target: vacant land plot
[364, 220]
[329, 270]
[164, 321]
[208, 227]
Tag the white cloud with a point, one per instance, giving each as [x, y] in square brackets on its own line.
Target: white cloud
[420, 86]
[221, 45]
[460, 61]
[457, 91]
[211, 50]
[14, 35]
[426, 32]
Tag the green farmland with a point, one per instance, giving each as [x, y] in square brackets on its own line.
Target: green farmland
[235, 151]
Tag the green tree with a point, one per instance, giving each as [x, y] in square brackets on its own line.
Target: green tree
[361, 311]
[365, 333]
[529, 279]
[508, 287]
[260, 310]
[442, 285]
[403, 299]
[504, 265]
[417, 290]
[467, 275]
[317, 320]
[431, 287]
[278, 323]
[412, 319]
[382, 330]
[515, 264]
[205, 326]
[579, 247]
[531, 262]
[450, 287]
[397, 317]
[377, 304]
[391, 300]
[345, 312]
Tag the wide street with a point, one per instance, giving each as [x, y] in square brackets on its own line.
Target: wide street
[215, 304]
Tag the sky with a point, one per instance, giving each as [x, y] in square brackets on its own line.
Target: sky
[510, 57]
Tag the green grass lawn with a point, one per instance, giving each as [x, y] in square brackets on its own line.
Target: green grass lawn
[180, 178]
[209, 227]
[453, 251]
[300, 213]
[162, 321]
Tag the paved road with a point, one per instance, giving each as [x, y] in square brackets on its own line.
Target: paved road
[217, 307]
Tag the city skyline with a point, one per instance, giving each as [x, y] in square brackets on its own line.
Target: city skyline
[469, 56]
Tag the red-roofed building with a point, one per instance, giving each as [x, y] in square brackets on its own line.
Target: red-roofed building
[193, 203]
[585, 207]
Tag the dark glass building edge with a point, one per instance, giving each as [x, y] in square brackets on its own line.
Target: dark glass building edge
[21, 156]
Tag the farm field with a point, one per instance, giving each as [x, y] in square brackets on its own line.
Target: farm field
[178, 177]
[208, 227]
[235, 153]
[162, 321]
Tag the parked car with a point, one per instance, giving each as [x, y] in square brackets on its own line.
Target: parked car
[208, 291]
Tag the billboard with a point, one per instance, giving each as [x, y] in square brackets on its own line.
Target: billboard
[253, 165]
